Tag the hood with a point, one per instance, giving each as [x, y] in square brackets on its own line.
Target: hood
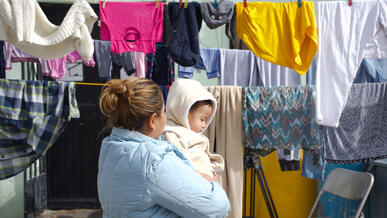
[182, 95]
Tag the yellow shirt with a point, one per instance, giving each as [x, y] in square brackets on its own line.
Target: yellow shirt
[281, 33]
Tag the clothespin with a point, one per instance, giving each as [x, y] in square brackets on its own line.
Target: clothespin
[180, 3]
[157, 4]
[349, 2]
[245, 3]
[299, 3]
[185, 3]
[215, 4]
[104, 4]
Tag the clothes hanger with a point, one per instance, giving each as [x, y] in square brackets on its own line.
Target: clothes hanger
[157, 4]
[104, 4]
[180, 3]
[185, 3]
[245, 3]
[349, 2]
[299, 3]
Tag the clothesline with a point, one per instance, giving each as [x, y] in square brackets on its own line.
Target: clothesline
[235, 1]
[89, 84]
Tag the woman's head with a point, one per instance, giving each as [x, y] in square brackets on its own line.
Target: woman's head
[133, 103]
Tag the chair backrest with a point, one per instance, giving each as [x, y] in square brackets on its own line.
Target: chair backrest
[347, 184]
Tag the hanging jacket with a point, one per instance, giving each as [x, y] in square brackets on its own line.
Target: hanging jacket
[139, 176]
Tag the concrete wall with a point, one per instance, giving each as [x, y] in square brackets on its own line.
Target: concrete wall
[12, 197]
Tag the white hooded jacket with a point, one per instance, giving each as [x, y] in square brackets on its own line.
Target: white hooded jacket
[195, 146]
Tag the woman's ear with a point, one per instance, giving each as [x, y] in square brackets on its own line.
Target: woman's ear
[152, 121]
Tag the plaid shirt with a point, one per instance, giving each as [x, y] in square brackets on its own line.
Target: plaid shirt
[32, 116]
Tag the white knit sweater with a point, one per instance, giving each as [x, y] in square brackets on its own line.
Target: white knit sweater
[23, 23]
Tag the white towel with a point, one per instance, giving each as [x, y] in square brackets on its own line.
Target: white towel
[23, 23]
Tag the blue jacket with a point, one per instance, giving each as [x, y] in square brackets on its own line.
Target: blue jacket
[143, 177]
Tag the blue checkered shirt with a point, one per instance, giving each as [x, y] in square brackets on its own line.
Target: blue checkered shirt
[32, 116]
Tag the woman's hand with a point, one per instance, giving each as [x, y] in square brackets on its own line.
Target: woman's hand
[213, 178]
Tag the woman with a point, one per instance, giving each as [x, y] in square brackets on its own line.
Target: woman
[141, 176]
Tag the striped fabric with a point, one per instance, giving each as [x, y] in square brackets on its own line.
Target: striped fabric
[279, 117]
[32, 116]
[362, 133]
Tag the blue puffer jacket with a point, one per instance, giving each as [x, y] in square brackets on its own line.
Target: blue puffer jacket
[143, 177]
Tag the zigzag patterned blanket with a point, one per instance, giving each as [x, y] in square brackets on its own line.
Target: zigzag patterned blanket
[279, 117]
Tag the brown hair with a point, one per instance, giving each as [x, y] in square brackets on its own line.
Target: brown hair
[130, 102]
[196, 104]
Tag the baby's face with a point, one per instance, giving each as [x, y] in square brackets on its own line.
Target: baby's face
[197, 118]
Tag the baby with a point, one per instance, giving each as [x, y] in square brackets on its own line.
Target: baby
[189, 109]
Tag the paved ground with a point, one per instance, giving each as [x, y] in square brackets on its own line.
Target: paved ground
[76, 213]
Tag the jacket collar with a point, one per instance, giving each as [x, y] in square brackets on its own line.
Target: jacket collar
[125, 134]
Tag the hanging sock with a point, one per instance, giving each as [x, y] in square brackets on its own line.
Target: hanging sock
[32, 114]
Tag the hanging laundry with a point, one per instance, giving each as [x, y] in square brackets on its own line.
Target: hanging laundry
[106, 60]
[361, 135]
[123, 60]
[238, 68]
[140, 64]
[275, 75]
[160, 67]
[339, 55]
[13, 54]
[313, 166]
[371, 71]
[2, 61]
[225, 132]
[132, 26]
[23, 23]
[183, 45]
[164, 90]
[58, 66]
[281, 33]
[32, 114]
[217, 15]
[279, 117]
[211, 61]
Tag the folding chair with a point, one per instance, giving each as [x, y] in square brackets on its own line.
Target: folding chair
[347, 184]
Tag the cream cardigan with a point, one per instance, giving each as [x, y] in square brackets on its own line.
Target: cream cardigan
[23, 23]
